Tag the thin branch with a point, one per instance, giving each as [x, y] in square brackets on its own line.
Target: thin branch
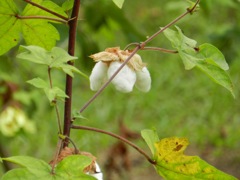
[59, 146]
[47, 10]
[68, 86]
[55, 103]
[117, 137]
[42, 17]
[160, 49]
[138, 47]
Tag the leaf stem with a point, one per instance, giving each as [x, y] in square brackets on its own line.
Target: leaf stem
[42, 17]
[160, 49]
[55, 102]
[59, 145]
[46, 9]
[117, 137]
[68, 87]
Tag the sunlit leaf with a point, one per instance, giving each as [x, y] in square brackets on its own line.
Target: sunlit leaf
[70, 167]
[173, 164]
[206, 57]
[9, 25]
[119, 3]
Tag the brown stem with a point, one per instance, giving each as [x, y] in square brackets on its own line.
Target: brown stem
[118, 137]
[41, 17]
[68, 89]
[47, 10]
[160, 49]
[59, 145]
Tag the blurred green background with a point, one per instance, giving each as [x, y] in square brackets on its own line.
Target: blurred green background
[180, 102]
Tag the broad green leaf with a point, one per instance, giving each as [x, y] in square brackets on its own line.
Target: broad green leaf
[119, 3]
[173, 164]
[150, 137]
[69, 168]
[217, 74]
[39, 83]
[33, 165]
[79, 162]
[206, 57]
[56, 58]
[35, 31]
[39, 33]
[9, 25]
[212, 55]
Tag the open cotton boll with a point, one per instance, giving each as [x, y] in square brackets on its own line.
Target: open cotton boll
[143, 82]
[98, 75]
[125, 79]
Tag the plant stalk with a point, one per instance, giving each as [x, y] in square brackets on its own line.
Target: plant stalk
[68, 89]
[117, 137]
[46, 9]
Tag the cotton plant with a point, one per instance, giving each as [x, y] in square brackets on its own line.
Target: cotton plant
[134, 73]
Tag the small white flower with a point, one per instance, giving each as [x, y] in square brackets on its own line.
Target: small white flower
[134, 73]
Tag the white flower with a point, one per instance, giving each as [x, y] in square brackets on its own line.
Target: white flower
[134, 73]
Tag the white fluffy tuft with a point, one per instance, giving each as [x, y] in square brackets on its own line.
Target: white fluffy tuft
[98, 76]
[125, 79]
[143, 82]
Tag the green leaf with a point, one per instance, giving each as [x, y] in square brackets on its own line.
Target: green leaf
[35, 31]
[67, 5]
[9, 25]
[56, 58]
[151, 137]
[206, 57]
[70, 167]
[39, 33]
[217, 74]
[78, 115]
[55, 93]
[33, 165]
[119, 3]
[79, 162]
[39, 83]
[173, 164]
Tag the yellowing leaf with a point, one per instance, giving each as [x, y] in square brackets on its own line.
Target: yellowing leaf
[173, 164]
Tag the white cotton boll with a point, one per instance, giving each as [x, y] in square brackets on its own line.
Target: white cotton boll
[98, 175]
[143, 82]
[125, 79]
[98, 75]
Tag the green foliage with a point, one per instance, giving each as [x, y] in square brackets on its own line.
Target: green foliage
[35, 31]
[172, 164]
[53, 93]
[206, 57]
[56, 58]
[70, 167]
